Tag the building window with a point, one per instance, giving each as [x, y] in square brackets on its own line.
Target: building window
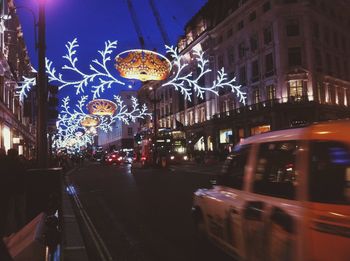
[254, 42]
[292, 27]
[220, 61]
[318, 60]
[326, 35]
[231, 55]
[341, 96]
[241, 50]
[267, 35]
[335, 40]
[271, 92]
[296, 89]
[316, 30]
[229, 33]
[252, 16]
[321, 92]
[242, 75]
[255, 71]
[329, 64]
[266, 6]
[2, 89]
[256, 96]
[240, 25]
[294, 56]
[269, 65]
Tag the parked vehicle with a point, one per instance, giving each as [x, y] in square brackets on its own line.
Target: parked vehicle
[282, 195]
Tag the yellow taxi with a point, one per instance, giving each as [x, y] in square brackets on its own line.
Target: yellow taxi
[282, 195]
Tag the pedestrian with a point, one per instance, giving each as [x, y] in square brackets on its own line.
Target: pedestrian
[17, 170]
[4, 193]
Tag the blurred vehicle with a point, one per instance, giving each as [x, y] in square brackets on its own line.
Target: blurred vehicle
[128, 157]
[283, 195]
[114, 158]
[176, 158]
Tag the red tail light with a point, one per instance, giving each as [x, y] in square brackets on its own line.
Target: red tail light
[143, 158]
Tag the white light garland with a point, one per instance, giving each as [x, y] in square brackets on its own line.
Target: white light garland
[186, 83]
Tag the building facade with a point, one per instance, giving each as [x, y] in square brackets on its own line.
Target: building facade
[290, 56]
[17, 126]
[122, 135]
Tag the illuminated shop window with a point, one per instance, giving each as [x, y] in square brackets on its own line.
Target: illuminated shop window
[6, 134]
[296, 89]
[225, 136]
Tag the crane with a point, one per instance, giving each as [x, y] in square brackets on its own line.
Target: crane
[159, 22]
[136, 23]
[156, 15]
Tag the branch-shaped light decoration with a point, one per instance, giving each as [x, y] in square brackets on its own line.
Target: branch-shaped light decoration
[99, 76]
[69, 120]
[184, 81]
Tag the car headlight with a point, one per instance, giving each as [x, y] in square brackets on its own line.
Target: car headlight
[185, 157]
[172, 157]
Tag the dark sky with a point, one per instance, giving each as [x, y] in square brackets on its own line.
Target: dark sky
[95, 21]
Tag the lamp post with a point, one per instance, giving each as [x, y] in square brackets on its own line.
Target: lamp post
[155, 126]
[41, 137]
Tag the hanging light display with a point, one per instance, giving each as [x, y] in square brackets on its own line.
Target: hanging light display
[102, 107]
[143, 65]
[89, 121]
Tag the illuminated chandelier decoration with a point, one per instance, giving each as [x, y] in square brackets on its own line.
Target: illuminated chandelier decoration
[102, 107]
[185, 82]
[89, 121]
[143, 65]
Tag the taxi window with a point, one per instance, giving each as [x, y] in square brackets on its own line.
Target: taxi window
[329, 180]
[275, 169]
[234, 168]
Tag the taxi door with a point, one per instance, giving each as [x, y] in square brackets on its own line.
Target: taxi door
[271, 211]
[225, 208]
[328, 230]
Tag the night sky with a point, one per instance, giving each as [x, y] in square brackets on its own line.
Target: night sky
[95, 21]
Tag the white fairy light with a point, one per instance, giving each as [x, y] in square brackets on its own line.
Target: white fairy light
[99, 71]
[186, 83]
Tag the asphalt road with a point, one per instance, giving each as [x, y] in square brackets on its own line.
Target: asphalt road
[142, 214]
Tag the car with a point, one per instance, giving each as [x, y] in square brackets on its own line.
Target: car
[114, 158]
[282, 195]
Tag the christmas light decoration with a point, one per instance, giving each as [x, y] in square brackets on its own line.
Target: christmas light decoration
[99, 71]
[70, 121]
[143, 65]
[185, 82]
[89, 121]
[102, 107]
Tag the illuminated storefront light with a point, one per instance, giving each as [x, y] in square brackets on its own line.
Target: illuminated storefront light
[6, 134]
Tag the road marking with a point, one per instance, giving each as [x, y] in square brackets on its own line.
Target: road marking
[96, 238]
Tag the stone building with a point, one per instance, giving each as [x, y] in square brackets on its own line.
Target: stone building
[17, 129]
[290, 56]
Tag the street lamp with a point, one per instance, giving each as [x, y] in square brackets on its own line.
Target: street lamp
[155, 126]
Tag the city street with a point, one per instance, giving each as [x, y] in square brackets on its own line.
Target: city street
[142, 214]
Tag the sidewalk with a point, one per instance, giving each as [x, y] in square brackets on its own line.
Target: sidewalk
[73, 246]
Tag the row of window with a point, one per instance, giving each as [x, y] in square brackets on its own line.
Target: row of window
[331, 65]
[330, 37]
